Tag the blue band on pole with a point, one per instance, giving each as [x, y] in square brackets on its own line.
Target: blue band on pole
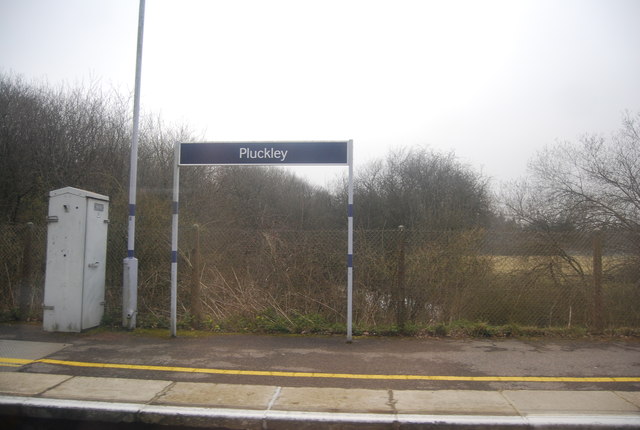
[174, 256]
[130, 253]
[175, 207]
[350, 210]
[132, 210]
[349, 260]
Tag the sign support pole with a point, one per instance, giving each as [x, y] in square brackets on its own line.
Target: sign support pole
[350, 245]
[174, 238]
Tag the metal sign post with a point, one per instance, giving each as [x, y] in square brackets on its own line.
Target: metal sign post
[314, 153]
[174, 239]
[350, 244]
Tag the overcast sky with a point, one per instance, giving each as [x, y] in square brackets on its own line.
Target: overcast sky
[492, 81]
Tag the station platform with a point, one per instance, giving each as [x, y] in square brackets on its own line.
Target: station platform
[211, 405]
[126, 380]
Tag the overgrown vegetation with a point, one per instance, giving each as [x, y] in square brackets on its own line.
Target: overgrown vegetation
[273, 324]
[271, 250]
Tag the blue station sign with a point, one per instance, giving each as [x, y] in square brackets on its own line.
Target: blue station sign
[264, 153]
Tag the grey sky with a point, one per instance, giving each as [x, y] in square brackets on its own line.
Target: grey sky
[493, 81]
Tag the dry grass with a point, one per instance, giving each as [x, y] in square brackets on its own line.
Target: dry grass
[527, 263]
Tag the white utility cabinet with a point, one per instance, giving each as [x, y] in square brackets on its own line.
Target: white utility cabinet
[76, 258]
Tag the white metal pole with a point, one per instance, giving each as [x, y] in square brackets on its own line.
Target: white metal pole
[130, 272]
[350, 245]
[174, 238]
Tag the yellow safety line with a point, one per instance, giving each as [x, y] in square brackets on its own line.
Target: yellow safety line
[16, 361]
[324, 375]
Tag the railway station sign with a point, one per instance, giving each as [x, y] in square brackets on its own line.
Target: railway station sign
[299, 153]
[264, 153]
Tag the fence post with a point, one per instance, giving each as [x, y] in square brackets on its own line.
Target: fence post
[196, 291]
[26, 278]
[598, 311]
[401, 288]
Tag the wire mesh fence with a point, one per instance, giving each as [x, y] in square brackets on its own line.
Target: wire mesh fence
[400, 277]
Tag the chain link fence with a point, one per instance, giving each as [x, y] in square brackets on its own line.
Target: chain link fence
[400, 277]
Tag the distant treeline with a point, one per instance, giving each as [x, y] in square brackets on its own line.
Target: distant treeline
[56, 137]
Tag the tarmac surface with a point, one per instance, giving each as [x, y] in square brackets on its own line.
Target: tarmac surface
[245, 381]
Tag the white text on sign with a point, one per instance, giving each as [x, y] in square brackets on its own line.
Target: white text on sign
[265, 153]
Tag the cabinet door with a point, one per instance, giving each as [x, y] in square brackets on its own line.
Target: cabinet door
[95, 262]
[65, 257]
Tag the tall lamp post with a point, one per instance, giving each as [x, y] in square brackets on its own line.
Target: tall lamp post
[130, 269]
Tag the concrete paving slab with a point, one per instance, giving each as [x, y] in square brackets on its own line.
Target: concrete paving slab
[630, 396]
[334, 400]
[108, 389]
[25, 350]
[218, 395]
[28, 384]
[529, 402]
[452, 402]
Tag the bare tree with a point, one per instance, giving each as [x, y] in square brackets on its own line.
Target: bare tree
[57, 137]
[421, 189]
[594, 183]
[51, 138]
